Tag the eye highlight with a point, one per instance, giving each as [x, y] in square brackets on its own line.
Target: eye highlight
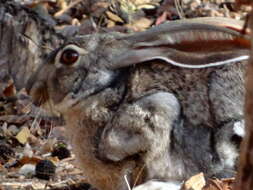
[69, 56]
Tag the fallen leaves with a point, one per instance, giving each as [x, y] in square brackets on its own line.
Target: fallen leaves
[140, 24]
[26, 139]
[23, 135]
[220, 184]
[196, 182]
[114, 17]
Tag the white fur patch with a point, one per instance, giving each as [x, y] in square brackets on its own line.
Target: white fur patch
[229, 153]
[239, 128]
[158, 185]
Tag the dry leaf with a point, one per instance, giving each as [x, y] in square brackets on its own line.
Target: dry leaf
[16, 119]
[110, 24]
[196, 182]
[54, 159]
[29, 160]
[140, 24]
[146, 6]
[10, 90]
[7, 86]
[28, 150]
[114, 17]
[48, 146]
[23, 135]
[217, 184]
[161, 18]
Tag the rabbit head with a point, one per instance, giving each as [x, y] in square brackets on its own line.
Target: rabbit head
[85, 81]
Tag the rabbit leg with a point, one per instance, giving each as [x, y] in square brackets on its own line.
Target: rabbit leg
[141, 126]
[228, 139]
[144, 128]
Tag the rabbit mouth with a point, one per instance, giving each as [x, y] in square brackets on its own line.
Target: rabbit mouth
[108, 96]
[110, 89]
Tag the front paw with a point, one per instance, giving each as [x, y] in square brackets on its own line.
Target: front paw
[141, 127]
[119, 143]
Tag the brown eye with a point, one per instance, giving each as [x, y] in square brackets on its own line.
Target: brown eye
[69, 56]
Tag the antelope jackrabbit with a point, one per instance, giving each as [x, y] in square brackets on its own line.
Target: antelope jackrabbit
[158, 105]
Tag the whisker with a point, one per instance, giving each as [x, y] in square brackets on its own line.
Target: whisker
[35, 43]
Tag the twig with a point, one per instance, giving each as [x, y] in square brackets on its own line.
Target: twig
[179, 9]
[59, 13]
[128, 185]
[39, 46]
[138, 175]
[214, 182]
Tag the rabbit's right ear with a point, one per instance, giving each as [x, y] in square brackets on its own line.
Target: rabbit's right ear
[189, 45]
[233, 24]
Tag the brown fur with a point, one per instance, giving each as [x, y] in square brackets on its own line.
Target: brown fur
[83, 133]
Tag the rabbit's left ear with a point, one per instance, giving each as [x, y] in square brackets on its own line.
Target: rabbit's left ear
[189, 45]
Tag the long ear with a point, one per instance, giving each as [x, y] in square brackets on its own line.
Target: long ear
[183, 44]
[237, 25]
